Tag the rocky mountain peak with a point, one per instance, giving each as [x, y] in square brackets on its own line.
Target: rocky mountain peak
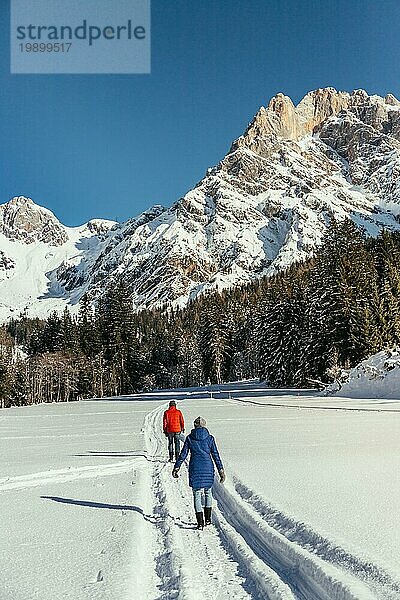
[317, 106]
[282, 120]
[20, 201]
[281, 123]
[392, 100]
[277, 120]
[24, 221]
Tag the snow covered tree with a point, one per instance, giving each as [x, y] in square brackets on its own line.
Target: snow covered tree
[213, 340]
[387, 257]
[343, 296]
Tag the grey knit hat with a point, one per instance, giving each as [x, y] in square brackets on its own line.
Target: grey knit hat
[200, 422]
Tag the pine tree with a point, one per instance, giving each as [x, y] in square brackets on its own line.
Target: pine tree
[21, 393]
[281, 350]
[6, 350]
[87, 326]
[387, 259]
[68, 331]
[343, 296]
[213, 339]
[51, 339]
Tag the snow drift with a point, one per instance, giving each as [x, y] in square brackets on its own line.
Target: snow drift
[375, 377]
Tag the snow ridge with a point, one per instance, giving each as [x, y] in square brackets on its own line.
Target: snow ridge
[63, 475]
[309, 577]
[384, 584]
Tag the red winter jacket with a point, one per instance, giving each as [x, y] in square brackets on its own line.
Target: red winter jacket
[173, 420]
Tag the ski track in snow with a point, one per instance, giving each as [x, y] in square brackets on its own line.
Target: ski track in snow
[251, 551]
[383, 583]
[234, 400]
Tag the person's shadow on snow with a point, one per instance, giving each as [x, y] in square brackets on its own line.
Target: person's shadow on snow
[127, 454]
[153, 519]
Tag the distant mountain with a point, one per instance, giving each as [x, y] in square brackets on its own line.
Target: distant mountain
[33, 245]
[265, 205]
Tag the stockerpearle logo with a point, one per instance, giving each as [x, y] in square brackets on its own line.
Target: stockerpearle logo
[80, 36]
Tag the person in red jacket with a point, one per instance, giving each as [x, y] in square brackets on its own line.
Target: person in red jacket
[173, 426]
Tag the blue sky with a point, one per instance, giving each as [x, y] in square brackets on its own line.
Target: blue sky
[110, 146]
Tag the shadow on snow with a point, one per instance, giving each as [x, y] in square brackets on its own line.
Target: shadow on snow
[154, 520]
[225, 391]
[126, 454]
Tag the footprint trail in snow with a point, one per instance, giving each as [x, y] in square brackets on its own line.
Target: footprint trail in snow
[241, 555]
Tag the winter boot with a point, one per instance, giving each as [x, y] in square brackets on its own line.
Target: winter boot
[207, 515]
[200, 520]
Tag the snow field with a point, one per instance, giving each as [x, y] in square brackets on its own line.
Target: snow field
[73, 502]
[323, 472]
[308, 511]
[330, 465]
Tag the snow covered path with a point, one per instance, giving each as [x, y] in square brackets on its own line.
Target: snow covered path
[90, 510]
[202, 564]
[274, 566]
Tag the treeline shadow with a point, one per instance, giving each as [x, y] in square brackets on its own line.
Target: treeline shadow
[226, 391]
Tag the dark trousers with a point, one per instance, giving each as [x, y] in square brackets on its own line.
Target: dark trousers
[173, 440]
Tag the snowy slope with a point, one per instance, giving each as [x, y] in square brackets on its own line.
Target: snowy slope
[33, 245]
[375, 377]
[306, 513]
[268, 202]
[265, 205]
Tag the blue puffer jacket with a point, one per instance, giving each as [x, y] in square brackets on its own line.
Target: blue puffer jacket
[202, 447]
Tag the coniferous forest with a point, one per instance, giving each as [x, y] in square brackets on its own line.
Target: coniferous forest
[297, 328]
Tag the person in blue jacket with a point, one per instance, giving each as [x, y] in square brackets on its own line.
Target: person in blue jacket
[203, 451]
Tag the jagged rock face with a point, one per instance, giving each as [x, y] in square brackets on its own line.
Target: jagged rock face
[99, 226]
[22, 220]
[266, 204]
[318, 106]
[281, 119]
[284, 120]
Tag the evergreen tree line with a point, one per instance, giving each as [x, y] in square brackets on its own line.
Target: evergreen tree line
[298, 327]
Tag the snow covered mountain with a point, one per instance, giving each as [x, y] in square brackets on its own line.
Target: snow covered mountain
[266, 204]
[33, 244]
